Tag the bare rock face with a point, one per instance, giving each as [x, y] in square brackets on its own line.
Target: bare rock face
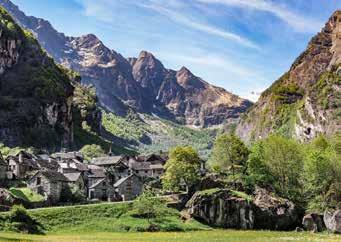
[313, 222]
[274, 213]
[221, 209]
[142, 83]
[332, 220]
[304, 102]
[35, 94]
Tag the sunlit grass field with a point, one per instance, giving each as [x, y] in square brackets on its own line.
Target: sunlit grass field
[210, 236]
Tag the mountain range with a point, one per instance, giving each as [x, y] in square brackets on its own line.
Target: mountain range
[142, 83]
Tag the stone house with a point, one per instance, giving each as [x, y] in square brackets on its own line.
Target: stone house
[128, 188]
[76, 180]
[49, 184]
[115, 166]
[22, 164]
[147, 169]
[100, 190]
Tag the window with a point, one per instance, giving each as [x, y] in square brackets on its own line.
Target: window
[38, 181]
[104, 183]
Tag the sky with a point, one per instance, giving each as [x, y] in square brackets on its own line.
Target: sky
[240, 45]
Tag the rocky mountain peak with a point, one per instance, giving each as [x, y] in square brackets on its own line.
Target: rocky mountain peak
[187, 79]
[142, 83]
[304, 102]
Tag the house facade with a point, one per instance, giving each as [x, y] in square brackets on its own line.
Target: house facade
[128, 188]
[49, 184]
[100, 190]
[22, 164]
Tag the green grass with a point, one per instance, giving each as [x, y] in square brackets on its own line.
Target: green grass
[242, 195]
[104, 217]
[26, 194]
[197, 236]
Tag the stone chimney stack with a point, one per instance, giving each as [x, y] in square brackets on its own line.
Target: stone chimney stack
[21, 157]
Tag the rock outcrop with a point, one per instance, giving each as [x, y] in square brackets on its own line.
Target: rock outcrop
[35, 94]
[313, 222]
[274, 213]
[142, 83]
[223, 208]
[332, 220]
[305, 101]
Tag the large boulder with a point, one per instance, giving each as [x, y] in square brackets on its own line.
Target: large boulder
[274, 213]
[222, 209]
[227, 209]
[332, 220]
[313, 222]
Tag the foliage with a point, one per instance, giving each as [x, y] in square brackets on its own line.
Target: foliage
[278, 162]
[21, 221]
[104, 217]
[92, 151]
[150, 207]
[228, 151]
[149, 134]
[322, 174]
[182, 168]
[26, 195]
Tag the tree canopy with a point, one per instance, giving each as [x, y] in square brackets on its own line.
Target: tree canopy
[182, 168]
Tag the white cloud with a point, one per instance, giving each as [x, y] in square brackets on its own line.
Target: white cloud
[297, 22]
[177, 17]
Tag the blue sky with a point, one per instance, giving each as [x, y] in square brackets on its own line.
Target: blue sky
[241, 45]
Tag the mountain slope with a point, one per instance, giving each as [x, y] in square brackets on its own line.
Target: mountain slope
[306, 100]
[142, 83]
[35, 94]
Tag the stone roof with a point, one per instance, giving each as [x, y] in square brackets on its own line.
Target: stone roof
[107, 160]
[123, 179]
[72, 177]
[97, 183]
[157, 166]
[97, 173]
[53, 176]
[48, 164]
[68, 155]
[141, 166]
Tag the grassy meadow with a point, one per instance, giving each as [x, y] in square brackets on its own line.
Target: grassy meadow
[194, 236]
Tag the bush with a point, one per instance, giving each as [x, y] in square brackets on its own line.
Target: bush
[21, 221]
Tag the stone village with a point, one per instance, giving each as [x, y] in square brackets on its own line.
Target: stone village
[107, 178]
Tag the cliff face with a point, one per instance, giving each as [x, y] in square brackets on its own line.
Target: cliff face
[306, 100]
[142, 83]
[35, 94]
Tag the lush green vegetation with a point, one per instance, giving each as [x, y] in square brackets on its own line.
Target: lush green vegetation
[182, 169]
[151, 134]
[105, 217]
[26, 195]
[195, 236]
[92, 151]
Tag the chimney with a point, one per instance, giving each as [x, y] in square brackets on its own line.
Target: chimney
[50, 159]
[21, 157]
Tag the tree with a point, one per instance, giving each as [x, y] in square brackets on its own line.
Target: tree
[229, 153]
[322, 173]
[150, 207]
[228, 150]
[258, 173]
[280, 163]
[183, 167]
[92, 151]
